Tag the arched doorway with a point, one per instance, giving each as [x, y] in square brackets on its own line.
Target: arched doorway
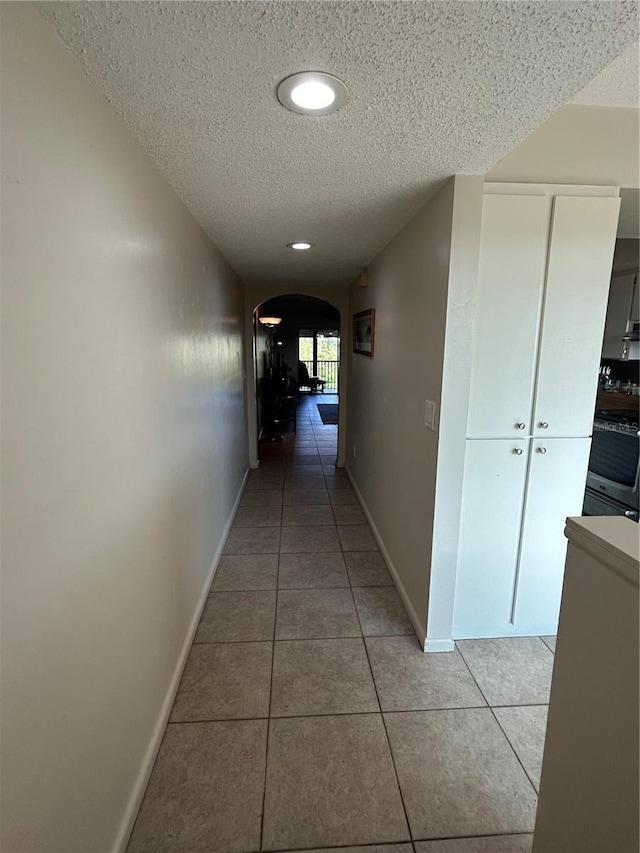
[296, 355]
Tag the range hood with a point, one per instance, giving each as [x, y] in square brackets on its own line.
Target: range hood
[631, 344]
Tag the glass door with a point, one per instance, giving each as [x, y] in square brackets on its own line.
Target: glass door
[319, 349]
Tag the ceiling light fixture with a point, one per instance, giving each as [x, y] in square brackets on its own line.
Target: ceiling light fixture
[312, 93]
[300, 245]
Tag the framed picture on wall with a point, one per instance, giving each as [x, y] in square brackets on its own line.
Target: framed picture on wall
[364, 325]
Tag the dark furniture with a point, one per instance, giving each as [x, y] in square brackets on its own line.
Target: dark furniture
[283, 412]
[310, 382]
[277, 403]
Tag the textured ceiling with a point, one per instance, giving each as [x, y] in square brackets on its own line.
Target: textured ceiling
[617, 85]
[436, 88]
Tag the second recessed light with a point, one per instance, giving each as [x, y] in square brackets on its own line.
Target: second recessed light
[300, 245]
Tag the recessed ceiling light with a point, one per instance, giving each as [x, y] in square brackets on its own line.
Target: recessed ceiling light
[312, 93]
[300, 245]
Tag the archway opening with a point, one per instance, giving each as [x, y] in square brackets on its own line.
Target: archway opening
[297, 369]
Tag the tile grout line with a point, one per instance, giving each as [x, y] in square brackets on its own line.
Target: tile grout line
[526, 772]
[470, 837]
[375, 687]
[544, 642]
[310, 588]
[328, 714]
[273, 655]
[308, 639]
[341, 846]
[384, 725]
[490, 707]
[410, 843]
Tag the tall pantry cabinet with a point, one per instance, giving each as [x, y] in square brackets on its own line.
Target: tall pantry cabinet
[545, 266]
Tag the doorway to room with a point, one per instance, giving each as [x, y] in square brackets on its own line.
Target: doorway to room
[297, 368]
[319, 351]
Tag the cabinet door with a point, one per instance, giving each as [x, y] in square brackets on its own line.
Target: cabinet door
[621, 293]
[513, 252]
[583, 235]
[555, 490]
[493, 491]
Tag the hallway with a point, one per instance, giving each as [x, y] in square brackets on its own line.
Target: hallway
[199, 654]
[308, 717]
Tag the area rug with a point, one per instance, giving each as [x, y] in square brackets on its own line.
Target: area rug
[328, 412]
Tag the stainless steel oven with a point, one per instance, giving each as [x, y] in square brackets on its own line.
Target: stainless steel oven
[597, 504]
[613, 478]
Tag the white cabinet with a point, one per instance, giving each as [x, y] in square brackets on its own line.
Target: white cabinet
[583, 235]
[516, 497]
[545, 266]
[513, 253]
[555, 490]
[494, 482]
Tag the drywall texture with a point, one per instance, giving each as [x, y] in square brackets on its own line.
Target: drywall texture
[435, 89]
[124, 445]
[578, 145]
[395, 460]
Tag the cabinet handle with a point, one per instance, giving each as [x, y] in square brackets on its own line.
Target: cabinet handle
[541, 449]
[520, 426]
[543, 425]
[629, 513]
[517, 451]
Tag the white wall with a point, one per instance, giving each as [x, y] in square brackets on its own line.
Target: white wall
[454, 407]
[123, 446]
[396, 463]
[578, 145]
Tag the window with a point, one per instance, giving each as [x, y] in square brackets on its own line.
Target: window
[319, 349]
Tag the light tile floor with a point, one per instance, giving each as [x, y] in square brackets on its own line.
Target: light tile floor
[309, 718]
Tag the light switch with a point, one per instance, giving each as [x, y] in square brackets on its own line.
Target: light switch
[430, 414]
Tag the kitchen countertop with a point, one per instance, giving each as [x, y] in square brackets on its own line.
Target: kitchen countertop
[612, 540]
[617, 401]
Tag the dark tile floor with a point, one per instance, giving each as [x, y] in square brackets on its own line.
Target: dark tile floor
[309, 718]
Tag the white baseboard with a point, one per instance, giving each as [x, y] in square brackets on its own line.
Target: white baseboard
[439, 646]
[500, 633]
[135, 800]
[418, 627]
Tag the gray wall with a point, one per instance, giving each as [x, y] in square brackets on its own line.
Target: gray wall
[626, 256]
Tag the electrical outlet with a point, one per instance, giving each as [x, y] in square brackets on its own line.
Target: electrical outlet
[430, 414]
[355, 451]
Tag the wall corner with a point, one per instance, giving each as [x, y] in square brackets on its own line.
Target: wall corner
[454, 406]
